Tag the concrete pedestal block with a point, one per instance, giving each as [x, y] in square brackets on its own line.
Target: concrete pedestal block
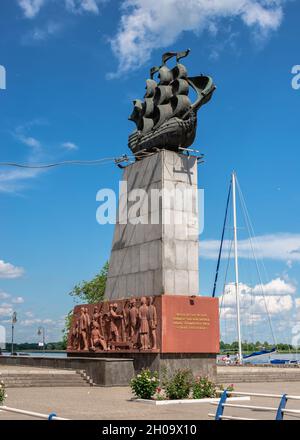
[156, 251]
[201, 364]
[103, 371]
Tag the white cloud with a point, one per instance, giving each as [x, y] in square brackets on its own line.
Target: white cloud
[145, 25]
[6, 310]
[48, 321]
[4, 295]
[37, 321]
[10, 179]
[18, 300]
[277, 286]
[80, 6]
[30, 322]
[31, 7]
[281, 247]
[69, 146]
[39, 34]
[275, 298]
[8, 270]
[28, 140]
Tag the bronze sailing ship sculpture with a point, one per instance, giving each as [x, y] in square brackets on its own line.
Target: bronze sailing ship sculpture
[166, 118]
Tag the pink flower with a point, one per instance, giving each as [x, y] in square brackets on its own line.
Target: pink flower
[158, 389]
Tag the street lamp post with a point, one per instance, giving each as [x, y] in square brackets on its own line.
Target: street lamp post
[41, 331]
[13, 322]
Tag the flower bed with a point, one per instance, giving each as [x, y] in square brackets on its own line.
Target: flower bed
[2, 393]
[180, 387]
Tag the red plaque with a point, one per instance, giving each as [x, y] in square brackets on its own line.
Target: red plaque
[190, 324]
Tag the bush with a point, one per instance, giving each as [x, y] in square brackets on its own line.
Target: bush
[228, 389]
[178, 386]
[203, 387]
[144, 385]
[2, 393]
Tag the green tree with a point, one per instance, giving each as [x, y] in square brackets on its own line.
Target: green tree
[91, 292]
[87, 292]
[65, 331]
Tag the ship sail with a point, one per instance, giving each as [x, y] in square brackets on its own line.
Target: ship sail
[179, 71]
[150, 88]
[180, 87]
[146, 125]
[148, 107]
[137, 111]
[180, 104]
[204, 87]
[163, 94]
[165, 75]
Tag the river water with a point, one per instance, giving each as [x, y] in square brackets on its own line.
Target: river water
[265, 359]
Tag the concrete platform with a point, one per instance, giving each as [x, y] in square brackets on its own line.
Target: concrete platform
[115, 403]
[21, 377]
[102, 371]
[240, 374]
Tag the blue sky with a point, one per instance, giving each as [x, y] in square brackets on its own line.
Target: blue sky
[73, 68]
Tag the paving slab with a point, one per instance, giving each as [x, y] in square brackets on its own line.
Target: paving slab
[115, 403]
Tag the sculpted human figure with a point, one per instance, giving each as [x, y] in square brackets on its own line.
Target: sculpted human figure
[96, 315]
[114, 317]
[152, 315]
[133, 320]
[84, 326]
[74, 342]
[144, 326]
[96, 338]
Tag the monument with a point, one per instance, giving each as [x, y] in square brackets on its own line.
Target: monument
[152, 310]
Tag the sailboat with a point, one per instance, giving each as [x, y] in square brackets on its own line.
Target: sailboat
[240, 358]
[166, 118]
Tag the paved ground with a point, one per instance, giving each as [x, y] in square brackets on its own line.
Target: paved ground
[115, 403]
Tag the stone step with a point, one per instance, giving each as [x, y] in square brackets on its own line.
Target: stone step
[42, 379]
[257, 378]
[45, 376]
[46, 385]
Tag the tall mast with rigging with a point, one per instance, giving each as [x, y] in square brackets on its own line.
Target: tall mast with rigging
[236, 265]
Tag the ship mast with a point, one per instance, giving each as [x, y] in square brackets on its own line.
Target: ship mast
[236, 264]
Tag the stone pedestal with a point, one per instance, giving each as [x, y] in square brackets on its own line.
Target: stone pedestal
[155, 244]
[152, 311]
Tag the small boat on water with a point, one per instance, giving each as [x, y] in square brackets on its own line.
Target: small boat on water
[259, 353]
[284, 362]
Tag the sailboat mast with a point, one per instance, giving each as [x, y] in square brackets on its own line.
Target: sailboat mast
[236, 264]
